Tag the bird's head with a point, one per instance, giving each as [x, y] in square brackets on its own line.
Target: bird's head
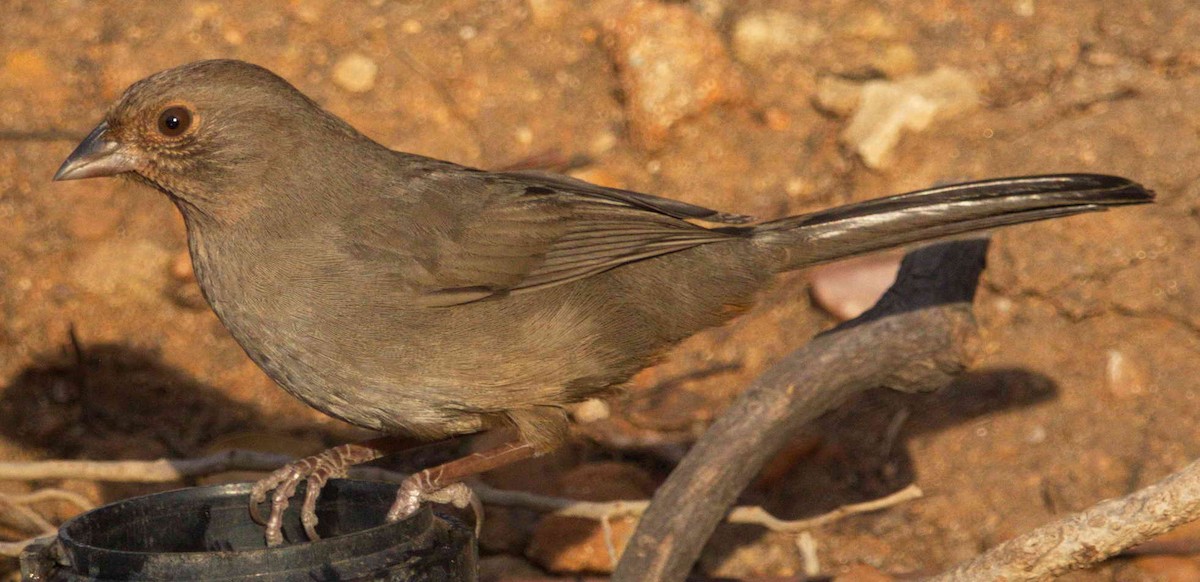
[198, 131]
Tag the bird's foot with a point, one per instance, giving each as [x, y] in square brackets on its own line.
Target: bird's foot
[443, 483]
[417, 489]
[314, 471]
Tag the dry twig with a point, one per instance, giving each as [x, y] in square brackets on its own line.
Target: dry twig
[50, 495]
[159, 471]
[1088, 537]
[17, 506]
[915, 339]
[165, 470]
[14, 549]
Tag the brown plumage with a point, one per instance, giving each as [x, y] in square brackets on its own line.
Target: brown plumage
[419, 297]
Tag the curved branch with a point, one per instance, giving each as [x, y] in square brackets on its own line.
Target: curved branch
[916, 338]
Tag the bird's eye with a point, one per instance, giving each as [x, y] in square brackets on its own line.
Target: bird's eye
[173, 121]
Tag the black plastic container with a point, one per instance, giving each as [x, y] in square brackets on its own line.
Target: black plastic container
[205, 533]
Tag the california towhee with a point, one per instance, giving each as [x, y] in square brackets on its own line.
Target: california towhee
[419, 297]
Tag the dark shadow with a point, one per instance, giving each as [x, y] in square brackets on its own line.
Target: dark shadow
[862, 452]
[116, 402]
[110, 401]
[858, 451]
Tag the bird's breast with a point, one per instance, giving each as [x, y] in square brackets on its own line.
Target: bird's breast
[266, 302]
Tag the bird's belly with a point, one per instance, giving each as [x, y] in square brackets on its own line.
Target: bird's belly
[340, 388]
[304, 341]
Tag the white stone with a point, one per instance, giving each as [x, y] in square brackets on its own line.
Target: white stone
[887, 109]
[355, 73]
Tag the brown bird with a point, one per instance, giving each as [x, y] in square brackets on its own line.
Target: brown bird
[422, 298]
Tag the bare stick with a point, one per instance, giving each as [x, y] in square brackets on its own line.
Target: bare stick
[49, 495]
[26, 518]
[917, 338]
[14, 549]
[758, 516]
[160, 471]
[750, 515]
[239, 460]
[1088, 537]
[16, 510]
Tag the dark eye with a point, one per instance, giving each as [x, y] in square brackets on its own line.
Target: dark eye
[173, 121]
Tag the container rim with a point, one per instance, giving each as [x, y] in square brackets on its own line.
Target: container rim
[85, 556]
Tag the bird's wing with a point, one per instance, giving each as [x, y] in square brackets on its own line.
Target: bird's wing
[462, 237]
[667, 206]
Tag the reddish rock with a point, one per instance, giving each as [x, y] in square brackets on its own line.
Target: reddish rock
[563, 544]
[568, 544]
[672, 65]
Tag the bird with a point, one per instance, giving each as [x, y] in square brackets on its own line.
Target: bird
[426, 299]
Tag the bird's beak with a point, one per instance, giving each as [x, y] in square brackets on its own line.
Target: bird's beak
[96, 156]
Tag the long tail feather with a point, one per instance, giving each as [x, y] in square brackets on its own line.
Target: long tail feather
[939, 212]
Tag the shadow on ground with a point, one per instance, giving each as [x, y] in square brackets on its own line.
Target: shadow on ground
[112, 401]
[859, 451]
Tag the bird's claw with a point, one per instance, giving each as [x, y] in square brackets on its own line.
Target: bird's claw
[415, 490]
[315, 471]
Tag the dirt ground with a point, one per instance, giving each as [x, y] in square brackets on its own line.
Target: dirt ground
[1087, 387]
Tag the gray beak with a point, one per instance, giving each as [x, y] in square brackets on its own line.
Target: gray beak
[96, 156]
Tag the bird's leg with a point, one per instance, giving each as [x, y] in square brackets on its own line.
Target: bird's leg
[315, 471]
[443, 483]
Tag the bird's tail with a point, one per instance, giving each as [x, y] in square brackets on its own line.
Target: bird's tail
[878, 224]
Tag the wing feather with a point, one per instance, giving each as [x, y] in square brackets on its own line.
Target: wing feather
[484, 235]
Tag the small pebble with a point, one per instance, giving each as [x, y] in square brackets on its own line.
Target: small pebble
[591, 410]
[306, 11]
[524, 135]
[870, 24]
[777, 119]
[1124, 376]
[603, 143]
[411, 26]
[759, 37]
[798, 186]
[355, 73]
[234, 37]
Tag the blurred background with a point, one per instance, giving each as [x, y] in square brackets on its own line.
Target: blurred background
[1087, 384]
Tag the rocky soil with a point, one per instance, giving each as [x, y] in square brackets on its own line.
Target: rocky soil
[1087, 388]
